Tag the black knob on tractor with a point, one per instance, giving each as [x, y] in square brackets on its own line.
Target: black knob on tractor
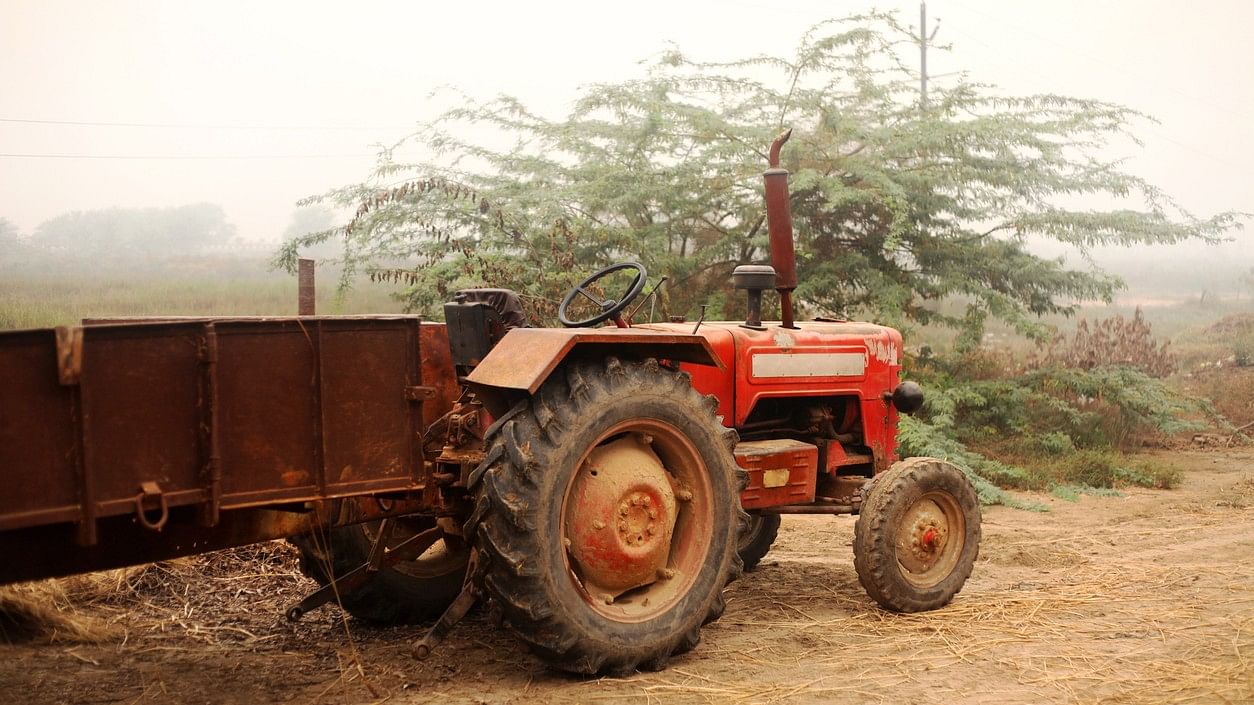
[907, 397]
[754, 278]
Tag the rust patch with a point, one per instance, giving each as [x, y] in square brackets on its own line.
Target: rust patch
[294, 478]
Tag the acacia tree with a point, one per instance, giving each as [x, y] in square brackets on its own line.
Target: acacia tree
[898, 207]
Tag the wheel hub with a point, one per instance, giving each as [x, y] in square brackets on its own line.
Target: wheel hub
[923, 537]
[639, 523]
[624, 512]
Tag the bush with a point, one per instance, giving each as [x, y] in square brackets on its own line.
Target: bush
[1105, 407]
[1050, 429]
[1115, 341]
[1057, 443]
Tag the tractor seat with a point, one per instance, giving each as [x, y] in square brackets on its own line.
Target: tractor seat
[504, 301]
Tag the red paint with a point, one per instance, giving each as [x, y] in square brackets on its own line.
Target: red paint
[801, 461]
[739, 392]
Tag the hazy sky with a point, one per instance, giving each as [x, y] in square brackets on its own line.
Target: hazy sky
[256, 104]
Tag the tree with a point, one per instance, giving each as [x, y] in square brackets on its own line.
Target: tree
[897, 207]
[128, 231]
[12, 249]
[308, 219]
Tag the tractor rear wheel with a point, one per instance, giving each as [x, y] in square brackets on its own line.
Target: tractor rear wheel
[917, 536]
[407, 592]
[606, 516]
[757, 538]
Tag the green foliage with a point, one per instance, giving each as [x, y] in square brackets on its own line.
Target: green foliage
[917, 437]
[1056, 443]
[1053, 429]
[1071, 493]
[896, 207]
[1096, 470]
[129, 232]
[1102, 407]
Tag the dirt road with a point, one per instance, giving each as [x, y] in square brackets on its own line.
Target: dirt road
[1143, 598]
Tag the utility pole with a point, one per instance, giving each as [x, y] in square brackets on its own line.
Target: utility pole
[924, 39]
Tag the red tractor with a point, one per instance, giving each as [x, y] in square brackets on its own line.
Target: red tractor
[597, 485]
[616, 478]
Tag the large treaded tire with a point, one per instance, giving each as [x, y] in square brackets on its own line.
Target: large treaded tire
[391, 596]
[756, 540]
[534, 452]
[877, 537]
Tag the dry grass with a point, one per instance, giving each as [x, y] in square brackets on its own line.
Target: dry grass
[170, 596]
[1031, 632]
[1080, 626]
[43, 611]
[194, 286]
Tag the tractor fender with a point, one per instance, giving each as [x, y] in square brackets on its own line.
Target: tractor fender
[523, 359]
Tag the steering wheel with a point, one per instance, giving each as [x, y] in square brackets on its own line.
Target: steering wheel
[610, 308]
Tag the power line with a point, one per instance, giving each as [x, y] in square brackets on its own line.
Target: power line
[184, 156]
[196, 126]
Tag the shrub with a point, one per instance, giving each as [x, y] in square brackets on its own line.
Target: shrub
[1115, 341]
[1057, 443]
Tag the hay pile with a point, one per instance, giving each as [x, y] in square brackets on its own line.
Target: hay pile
[157, 597]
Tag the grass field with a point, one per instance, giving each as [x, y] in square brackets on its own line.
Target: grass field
[41, 297]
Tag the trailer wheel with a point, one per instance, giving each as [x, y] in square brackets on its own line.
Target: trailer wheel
[408, 592]
[607, 517]
[757, 538]
[917, 536]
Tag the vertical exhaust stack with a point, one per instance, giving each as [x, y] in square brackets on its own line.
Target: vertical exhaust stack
[779, 224]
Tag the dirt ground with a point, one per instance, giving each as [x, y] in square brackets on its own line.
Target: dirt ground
[1143, 598]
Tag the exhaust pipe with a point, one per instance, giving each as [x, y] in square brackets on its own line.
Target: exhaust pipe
[779, 225]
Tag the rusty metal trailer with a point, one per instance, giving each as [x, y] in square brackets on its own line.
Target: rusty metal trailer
[124, 442]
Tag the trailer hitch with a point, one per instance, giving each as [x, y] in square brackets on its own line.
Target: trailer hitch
[454, 614]
[380, 556]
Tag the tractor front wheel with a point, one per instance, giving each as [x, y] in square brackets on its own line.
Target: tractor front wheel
[917, 536]
[755, 541]
[607, 516]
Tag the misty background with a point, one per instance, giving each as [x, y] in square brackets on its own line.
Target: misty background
[228, 113]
